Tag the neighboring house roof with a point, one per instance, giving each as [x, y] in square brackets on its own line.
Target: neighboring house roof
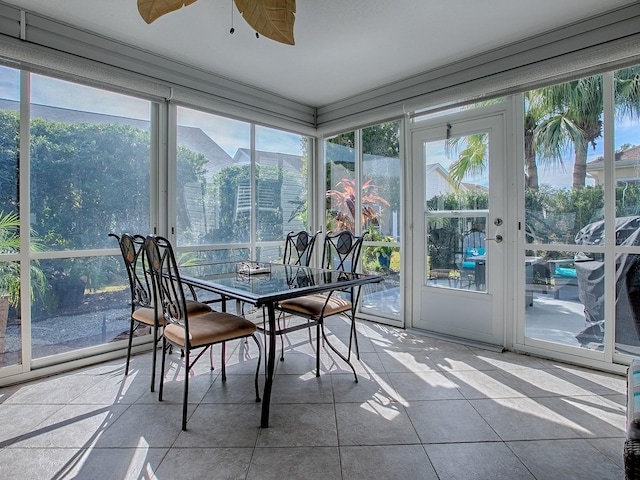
[243, 157]
[198, 141]
[68, 115]
[630, 156]
[438, 169]
[473, 187]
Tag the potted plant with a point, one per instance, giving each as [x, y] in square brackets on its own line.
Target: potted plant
[343, 204]
[10, 271]
[380, 253]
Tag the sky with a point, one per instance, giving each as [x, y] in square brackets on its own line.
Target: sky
[626, 132]
[228, 133]
[233, 134]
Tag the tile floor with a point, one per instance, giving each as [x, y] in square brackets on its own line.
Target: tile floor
[424, 408]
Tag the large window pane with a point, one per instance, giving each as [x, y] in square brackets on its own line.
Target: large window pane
[213, 183]
[564, 299]
[10, 322]
[564, 205]
[380, 197]
[10, 318]
[87, 304]
[340, 158]
[563, 134]
[281, 180]
[90, 164]
[90, 175]
[627, 181]
[369, 203]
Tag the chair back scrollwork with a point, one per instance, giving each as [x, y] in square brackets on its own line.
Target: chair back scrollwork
[298, 248]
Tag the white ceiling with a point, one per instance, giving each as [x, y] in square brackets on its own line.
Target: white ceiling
[343, 47]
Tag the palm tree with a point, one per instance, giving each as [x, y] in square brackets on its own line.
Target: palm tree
[557, 118]
[472, 158]
[573, 119]
[534, 113]
[473, 155]
[10, 271]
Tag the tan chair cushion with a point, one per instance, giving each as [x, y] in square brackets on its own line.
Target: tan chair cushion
[197, 308]
[212, 327]
[145, 314]
[312, 305]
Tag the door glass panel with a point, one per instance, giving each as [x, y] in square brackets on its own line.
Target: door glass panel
[457, 181]
[86, 304]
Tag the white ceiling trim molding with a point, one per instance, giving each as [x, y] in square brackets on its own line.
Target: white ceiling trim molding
[17, 54]
[599, 43]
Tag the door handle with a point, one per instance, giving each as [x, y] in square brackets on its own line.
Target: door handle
[498, 239]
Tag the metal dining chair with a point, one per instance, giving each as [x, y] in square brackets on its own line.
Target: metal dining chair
[342, 253]
[143, 306]
[298, 251]
[298, 248]
[184, 330]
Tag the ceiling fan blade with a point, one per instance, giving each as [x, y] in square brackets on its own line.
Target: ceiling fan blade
[272, 18]
[151, 10]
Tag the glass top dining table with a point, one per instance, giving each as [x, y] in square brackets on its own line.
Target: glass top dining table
[264, 285]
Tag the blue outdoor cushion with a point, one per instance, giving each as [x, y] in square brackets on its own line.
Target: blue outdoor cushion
[472, 252]
[566, 272]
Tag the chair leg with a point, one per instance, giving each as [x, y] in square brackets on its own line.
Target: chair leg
[309, 332]
[255, 339]
[155, 354]
[327, 342]
[353, 335]
[126, 368]
[185, 399]
[224, 368]
[318, 336]
[164, 354]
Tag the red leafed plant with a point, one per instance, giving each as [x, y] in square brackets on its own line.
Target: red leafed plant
[343, 203]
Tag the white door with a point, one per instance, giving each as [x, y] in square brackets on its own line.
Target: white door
[459, 226]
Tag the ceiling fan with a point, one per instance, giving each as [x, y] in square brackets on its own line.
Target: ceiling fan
[272, 18]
